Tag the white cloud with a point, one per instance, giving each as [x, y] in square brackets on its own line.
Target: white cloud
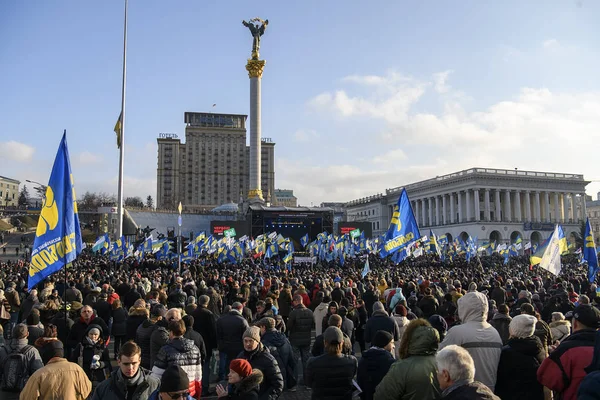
[535, 129]
[87, 158]
[550, 44]
[16, 151]
[440, 79]
[305, 135]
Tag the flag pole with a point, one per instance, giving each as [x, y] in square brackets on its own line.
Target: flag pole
[122, 148]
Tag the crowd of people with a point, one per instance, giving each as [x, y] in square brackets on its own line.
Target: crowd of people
[422, 329]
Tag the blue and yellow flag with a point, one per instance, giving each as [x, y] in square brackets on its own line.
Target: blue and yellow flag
[589, 252]
[58, 236]
[304, 240]
[403, 228]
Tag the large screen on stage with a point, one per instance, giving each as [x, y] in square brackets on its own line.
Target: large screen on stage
[347, 227]
[218, 227]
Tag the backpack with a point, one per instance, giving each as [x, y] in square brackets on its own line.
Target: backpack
[15, 370]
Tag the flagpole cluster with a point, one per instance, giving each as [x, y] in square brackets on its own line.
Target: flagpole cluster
[122, 131]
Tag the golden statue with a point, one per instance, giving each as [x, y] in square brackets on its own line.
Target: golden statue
[257, 31]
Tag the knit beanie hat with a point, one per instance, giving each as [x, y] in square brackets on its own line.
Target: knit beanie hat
[240, 367]
[382, 339]
[401, 310]
[174, 379]
[252, 332]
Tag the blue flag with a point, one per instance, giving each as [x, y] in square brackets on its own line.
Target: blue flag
[403, 228]
[589, 252]
[58, 236]
[304, 240]
[366, 269]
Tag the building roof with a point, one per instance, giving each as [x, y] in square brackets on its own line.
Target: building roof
[9, 179]
[259, 207]
[190, 222]
[227, 207]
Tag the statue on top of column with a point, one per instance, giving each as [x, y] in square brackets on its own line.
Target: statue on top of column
[257, 31]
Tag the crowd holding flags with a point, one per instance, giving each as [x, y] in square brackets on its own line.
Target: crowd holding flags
[589, 251]
[58, 236]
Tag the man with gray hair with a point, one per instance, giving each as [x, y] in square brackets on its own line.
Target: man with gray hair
[456, 376]
[14, 357]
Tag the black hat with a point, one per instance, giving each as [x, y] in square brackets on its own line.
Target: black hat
[587, 315]
[382, 339]
[174, 379]
[54, 348]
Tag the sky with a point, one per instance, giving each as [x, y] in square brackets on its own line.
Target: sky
[359, 96]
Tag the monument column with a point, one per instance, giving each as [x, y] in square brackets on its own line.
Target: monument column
[452, 212]
[255, 67]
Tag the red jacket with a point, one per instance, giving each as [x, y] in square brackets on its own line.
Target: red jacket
[574, 354]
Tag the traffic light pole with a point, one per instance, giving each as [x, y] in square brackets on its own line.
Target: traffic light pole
[179, 252]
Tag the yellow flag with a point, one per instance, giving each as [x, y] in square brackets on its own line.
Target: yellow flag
[118, 129]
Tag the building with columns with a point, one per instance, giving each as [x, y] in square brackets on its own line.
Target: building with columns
[487, 203]
[593, 213]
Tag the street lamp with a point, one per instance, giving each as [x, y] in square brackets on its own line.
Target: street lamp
[40, 189]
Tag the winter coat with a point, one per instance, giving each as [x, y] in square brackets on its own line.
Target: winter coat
[130, 298]
[32, 356]
[337, 295]
[247, 388]
[63, 328]
[396, 299]
[498, 295]
[44, 346]
[158, 338]
[230, 329]
[103, 310]
[469, 391]
[35, 332]
[80, 327]
[13, 299]
[27, 306]
[330, 377]
[285, 303]
[318, 348]
[501, 323]
[517, 370]
[85, 351]
[542, 331]
[135, 318]
[574, 354]
[142, 338]
[272, 384]
[280, 348]
[380, 321]
[59, 379]
[590, 385]
[318, 316]
[560, 330]
[73, 294]
[475, 335]
[184, 353]
[414, 377]
[299, 326]
[205, 324]
[372, 367]
[370, 298]
[176, 299]
[119, 322]
[198, 340]
[114, 388]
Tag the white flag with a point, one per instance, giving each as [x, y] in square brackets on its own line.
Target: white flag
[527, 245]
[551, 258]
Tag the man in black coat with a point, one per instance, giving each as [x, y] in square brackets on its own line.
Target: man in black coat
[80, 326]
[375, 364]
[160, 336]
[205, 324]
[103, 308]
[299, 326]
[177, 297]
[191, 334]
[230, 329]
[380, 321]
[143, 335]
[280, 348]
[260, 358]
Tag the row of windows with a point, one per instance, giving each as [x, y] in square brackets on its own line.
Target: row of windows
[9, 186]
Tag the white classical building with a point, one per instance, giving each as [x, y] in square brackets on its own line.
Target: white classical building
[490, 204]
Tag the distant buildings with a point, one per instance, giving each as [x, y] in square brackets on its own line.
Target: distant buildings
[284, 197]
[593, 213]
[9, 192]
[212, 166]
[490, 204]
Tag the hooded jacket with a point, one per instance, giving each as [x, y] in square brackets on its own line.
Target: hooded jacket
[280, 348]
[414, 377]
[185, 354]
[85, 351]
[230, 329]
[560, 330]
[272, 385]
[501, 322]
[381, 321]
[517, 370]
[299, 326]
[479, 338]
[80, 328]
[318, 315]
[135, 318]
[247, 388]
[143, 339]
